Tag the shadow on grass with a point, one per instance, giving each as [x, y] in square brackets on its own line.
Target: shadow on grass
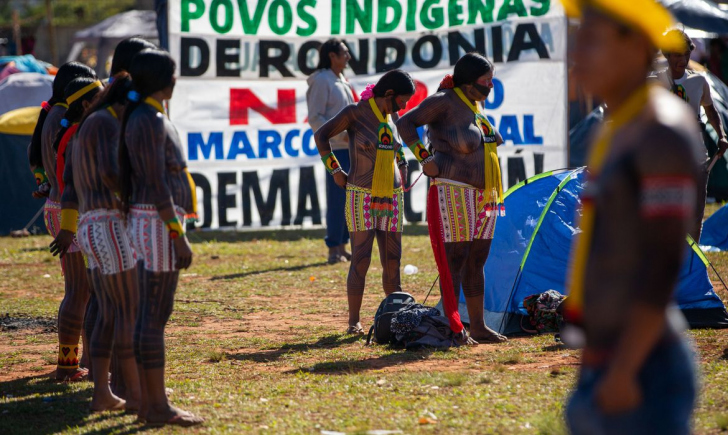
[326, 342]
[279, 235]
[557, 347]
[275, 269]
[352, 366]
[41, 249]
[43, 406]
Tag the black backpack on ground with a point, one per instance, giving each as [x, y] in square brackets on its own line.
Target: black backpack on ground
[382, 326]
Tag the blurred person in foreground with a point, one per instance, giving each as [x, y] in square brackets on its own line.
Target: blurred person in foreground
[693, 88]
[328, 93]
[638, 371]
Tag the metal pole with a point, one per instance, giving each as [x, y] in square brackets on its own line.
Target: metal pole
[51, 32]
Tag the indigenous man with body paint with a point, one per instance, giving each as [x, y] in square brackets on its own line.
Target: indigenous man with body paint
[157, 193]
[694, 89]
[123, 55]
[42, 157]
[638, 372]
[374, 195]
[467, 194]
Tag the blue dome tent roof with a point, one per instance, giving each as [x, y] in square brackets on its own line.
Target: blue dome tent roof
[530, 255]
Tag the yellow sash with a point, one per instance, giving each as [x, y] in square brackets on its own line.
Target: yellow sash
[581, 246]
[383, 181]
[493, 177]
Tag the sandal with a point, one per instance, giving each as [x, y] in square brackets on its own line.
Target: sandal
[79, 375]
[334, 259]
[344, 253]
[355, 330]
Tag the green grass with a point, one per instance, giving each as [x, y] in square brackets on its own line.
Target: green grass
[256, 345]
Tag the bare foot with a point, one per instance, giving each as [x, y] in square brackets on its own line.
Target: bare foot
[72, 375]
[110, 403]
[133, 406]
[486, 335]
[464, 339]
[173, 416]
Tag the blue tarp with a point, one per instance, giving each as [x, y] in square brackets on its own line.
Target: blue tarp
[18, 204]
[25, 63]
[715, 230]
[513, 271]
[703, 15]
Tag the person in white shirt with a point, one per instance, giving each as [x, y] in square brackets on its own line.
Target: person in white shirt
[327, 94]
[695, 90]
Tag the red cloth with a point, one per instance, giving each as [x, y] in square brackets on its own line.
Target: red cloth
[449, 303]
[447, 82]
[61, 156]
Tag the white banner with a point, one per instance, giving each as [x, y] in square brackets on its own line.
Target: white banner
[241, 109]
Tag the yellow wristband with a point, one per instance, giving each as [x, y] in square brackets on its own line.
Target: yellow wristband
[69, 220]
[175, 228]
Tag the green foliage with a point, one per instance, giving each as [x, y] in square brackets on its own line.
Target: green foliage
[65, 12]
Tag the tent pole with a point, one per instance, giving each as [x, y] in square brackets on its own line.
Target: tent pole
[35, 218]
[718, 275]
[694, 245]
[431, 287]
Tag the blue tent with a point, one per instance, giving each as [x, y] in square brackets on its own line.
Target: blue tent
[699, 14]
[715, 230]
[530, 254]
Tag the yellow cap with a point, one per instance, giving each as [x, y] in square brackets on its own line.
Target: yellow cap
[647, 16]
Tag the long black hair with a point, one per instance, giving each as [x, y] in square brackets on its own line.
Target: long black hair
[125, 52]
[469, 67]
[66, 73]
[75, 109]
[115, 93]
[398, 81]
[151, 71]
[333, 45]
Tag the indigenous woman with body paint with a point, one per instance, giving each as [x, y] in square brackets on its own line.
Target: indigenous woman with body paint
[466, 195]
[157, 193]
[43, 161]
[123, 55]
[93, 170]
[374, 195]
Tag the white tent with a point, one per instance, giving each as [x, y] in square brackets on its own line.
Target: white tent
[102, 38]
[24, 90]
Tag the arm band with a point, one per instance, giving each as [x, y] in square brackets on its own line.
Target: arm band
[332, 165]
[69, 220]
[40, 176]
[175, 228]
[421, 154]
[401, 159]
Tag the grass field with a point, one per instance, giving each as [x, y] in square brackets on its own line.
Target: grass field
[256, 345]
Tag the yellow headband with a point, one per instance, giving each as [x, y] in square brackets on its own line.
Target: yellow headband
[647, 16]
[83, 91]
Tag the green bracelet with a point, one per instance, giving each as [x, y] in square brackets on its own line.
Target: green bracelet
[421, 154]
[40, 176]
[331, 163]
